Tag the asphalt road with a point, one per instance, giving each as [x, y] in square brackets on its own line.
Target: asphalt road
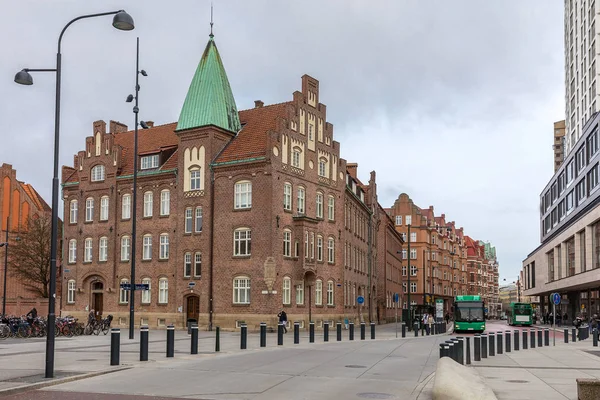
[55, 395]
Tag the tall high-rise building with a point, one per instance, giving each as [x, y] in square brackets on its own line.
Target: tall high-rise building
[559, 144]
[581, 48]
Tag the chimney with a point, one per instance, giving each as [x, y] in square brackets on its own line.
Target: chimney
[258, 103]
[150, 124]
[117, 127]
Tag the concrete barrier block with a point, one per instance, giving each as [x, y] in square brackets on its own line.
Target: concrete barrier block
[588, 389]
[457, 382]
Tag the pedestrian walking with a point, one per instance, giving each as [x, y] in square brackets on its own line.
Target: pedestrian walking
[283, 319]
[447, 318]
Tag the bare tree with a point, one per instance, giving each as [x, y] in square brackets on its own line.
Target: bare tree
[30, 256]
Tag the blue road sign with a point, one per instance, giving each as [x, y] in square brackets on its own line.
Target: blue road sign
[555, 298]
[396, 298]
[138, 286]
[360, 299]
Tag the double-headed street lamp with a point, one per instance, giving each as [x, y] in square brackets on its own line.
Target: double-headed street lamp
[121, 21]
[136, 110]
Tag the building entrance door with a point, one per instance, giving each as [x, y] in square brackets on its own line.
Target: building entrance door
[97, 298]
[193, 308]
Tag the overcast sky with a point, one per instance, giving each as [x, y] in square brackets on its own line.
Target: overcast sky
[450, 102]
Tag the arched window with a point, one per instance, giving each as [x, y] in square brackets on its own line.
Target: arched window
[319, 292]
[125, 246]
[287, 243]
[104, 208]
[300, 293]
[98, 173]
[89, 209]
[103, 249]
[198, 264]
[331, 250]
[147, 248]
[73, 210]
[146, 298]
[163, 291]
[164, 246]
[331, 207]
[187, 264]
[123, 294]
[242, 242]
[165, 202]
[319, 248]
[148, 202]
[72, 251]
[286, 290]
[300, 200]
[319, 205]
[71, 291]
[126, 207]
[87, 255]
[241, 290]
[198, 219]
[287, 196]
[330, 293]
[243, 195]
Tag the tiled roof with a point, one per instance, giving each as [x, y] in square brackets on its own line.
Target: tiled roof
[251, 141]
[152, 139]
[68, 174]
[171, 162]
[35, 197]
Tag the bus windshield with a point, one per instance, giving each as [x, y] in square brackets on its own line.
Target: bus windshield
[469, 311]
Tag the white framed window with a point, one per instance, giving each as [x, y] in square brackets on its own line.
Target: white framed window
[413, 236]
[242, 242]
[147, 247]
[198, 219]
[187, 264]
[125, 246]
[103, 249]
[164, 246]
[330, 293]
[287, 196]
[163, 291]
[319, 205]
[286, 290]
[330, 250]
[296, 158]
[413, 254]
[404, 270]
[241, 290]
[104, 208]
[148, 203]
[146, 297]
[322, 167]
[287, 243]
[188, 220]
[413, 287]
[98, 173]
[165, 202]
[318, 292]
[72, 251]
[71, 291]
[398, 219]
[126, 206]
[123, 294]
[413, 270]
[73, 211]
[149, 162]
[312, 245]
[87, 255]
[408, 220]
[195, 179]
[300, 293]
[319, 248]
[243, 195]
[198, 264]
[300, 200]
[331, 207]
[89, 209]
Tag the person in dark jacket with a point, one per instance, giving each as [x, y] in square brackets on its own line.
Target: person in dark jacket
[283, 319]
[32, 315]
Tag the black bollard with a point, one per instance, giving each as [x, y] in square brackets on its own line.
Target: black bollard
[362, 331]
[566, 335]
[170, 341]
[144, 343]
[546, 337]
[492, 346]
[244, 337]
[218, 340]
[442, 353]
[595, 337]
[296, 332]
[468, 355]
[507, 335]
[450, 345]
[279, 334]
[573, 335]
[422, 329]
[525, 339]
[532, 338]
[326, 331]
[263, 334]
[416, 329]
[446, 348]
[477, 348]
[311, 332]
[403, 329]
[194, 347]
[516, 339]
[456, 350]
[540, 341]
[115, 343]
[499, 342]
[372, 330]
[351, 331]
[339, 331]
[427, 329]
[461, 350]
[484, 345]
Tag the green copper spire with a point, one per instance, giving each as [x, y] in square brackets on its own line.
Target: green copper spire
[209, 100]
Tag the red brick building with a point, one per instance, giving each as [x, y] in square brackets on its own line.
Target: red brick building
[19, 202]
[240, 215]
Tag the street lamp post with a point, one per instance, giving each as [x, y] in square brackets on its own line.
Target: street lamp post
[136, 111]
[121, 21]
[5, 270]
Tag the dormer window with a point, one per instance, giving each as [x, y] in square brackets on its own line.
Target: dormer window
[149, 162]
[98, 173]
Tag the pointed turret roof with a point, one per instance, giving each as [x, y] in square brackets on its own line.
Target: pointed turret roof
[209, 100]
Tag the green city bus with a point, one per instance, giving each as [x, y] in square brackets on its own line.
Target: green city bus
[520, 314]
[469, 313]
